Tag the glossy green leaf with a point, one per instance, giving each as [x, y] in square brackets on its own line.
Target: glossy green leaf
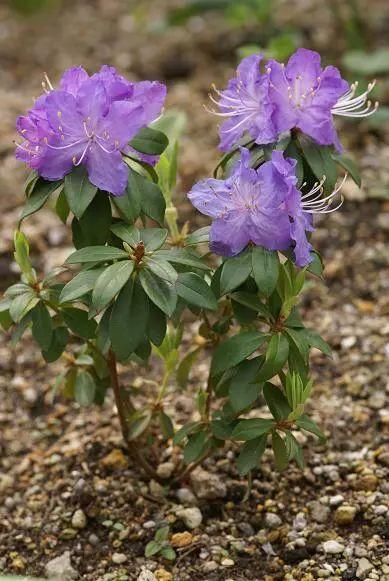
[22, 304]
[150, 197]
[58, 344]
[185, 366]
[319, 158]
[84, 389]
[128, 233]
[150, 141]
[309, 425]
[42, 326]
[79, 191]
[251, 454]
[235, 271]
[183, 257]
[252, 428]
[162, 269]
[156, 325]
[127, 328]
[276, 402]
[349, 165]
[265, 269]
[280, 451]
[235, 349]
[195, 447]
[194, 290]
[315, 340]
[200, 236]
[276, 356]
[162, 294]
[110, 282]
[77, 320]
[93, 228]
[41, 193]
[96, 254]
[80, 285]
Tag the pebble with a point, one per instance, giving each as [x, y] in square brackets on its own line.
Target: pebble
[179, 540]
[115, 460]
[319, 512]
[6, 481]
[227, 562]
[207, 485]
[272, 521]
[192, 517]
[119, 558]
[210, 566]
[336, 500]
[165, 470]
[60, 568]
[149, 524]
[186, 496]
[367, 482]
[364, 567]
[146, 575]
[333, 547]
[163, 575]
[299, 522]
[93, 539]
[79, 520]
[345, 515]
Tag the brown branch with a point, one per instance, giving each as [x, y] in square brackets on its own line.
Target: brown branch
[123, 406]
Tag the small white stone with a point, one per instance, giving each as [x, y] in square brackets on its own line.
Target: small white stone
[227, 562]
[336, 500]
[272, 521]
[364, 567]
[333, 547]
[192, 517]
[60, 568]
[79, 520]
[380, 509]
[165, 470]
[119, 558]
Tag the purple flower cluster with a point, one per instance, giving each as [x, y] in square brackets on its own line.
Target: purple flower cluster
[301, 95]
[89, 121]
[262, 206]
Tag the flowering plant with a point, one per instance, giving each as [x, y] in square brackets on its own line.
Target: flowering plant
[89, 143]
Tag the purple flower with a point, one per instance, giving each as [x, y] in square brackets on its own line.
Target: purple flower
[303, 95]
[262, 206]
[89, 121]
[246, 105]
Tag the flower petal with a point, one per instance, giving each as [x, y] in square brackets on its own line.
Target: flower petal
[211, 197]
[72, 79]
[229, 236]
[107, 171]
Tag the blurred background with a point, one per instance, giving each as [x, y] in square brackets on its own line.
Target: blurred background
[191, 44]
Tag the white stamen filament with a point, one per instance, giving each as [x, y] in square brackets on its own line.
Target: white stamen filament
[350, 106]
[319, 205]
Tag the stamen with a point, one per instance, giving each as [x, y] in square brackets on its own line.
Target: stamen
[59, 147]
[48, 82]
[350, 106]
[76, 163]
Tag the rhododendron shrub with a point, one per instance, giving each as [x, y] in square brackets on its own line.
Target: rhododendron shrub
[104, 157]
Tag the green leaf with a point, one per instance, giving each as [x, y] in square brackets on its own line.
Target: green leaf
[316, 266]
[127, 327]
[200, 236]
[79, 191]
[223, 428]
[162, 269]
[252, 428]
[309, 425]
[80, 285]
[235, 349]
[195, 447]
[185, 431]
[84, 389]
[251, 454]
[276, 402]
[364, 63]
[92, 229]
[138, 423]
[110, 282]
[315, 340]
[320, 161]
[41, 193]
[298, 337]
[185, 366]
[128, 204]
[166, 425]
[20, 288]
[77, 320]
[235, 271]
[153, 238]
[150, 141]
[162, 534]
[251, 301]
[21, 255]
[181, 256]
[96, 254]
[42, 326]
[58, 344]
[349, 165]
[62, 207]
[265, 269]
[152, 548]
[5, 318]
[156, 325]
[276, 356]
[194, 290]
[22, 304]
[162, 294]
[168, 553]
[150, 197]
[103, 341]
[294, 450]
[30, 182]
[128, 233]
[280, 451]
[243, 395]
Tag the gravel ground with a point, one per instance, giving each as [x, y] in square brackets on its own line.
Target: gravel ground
[71, 502]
